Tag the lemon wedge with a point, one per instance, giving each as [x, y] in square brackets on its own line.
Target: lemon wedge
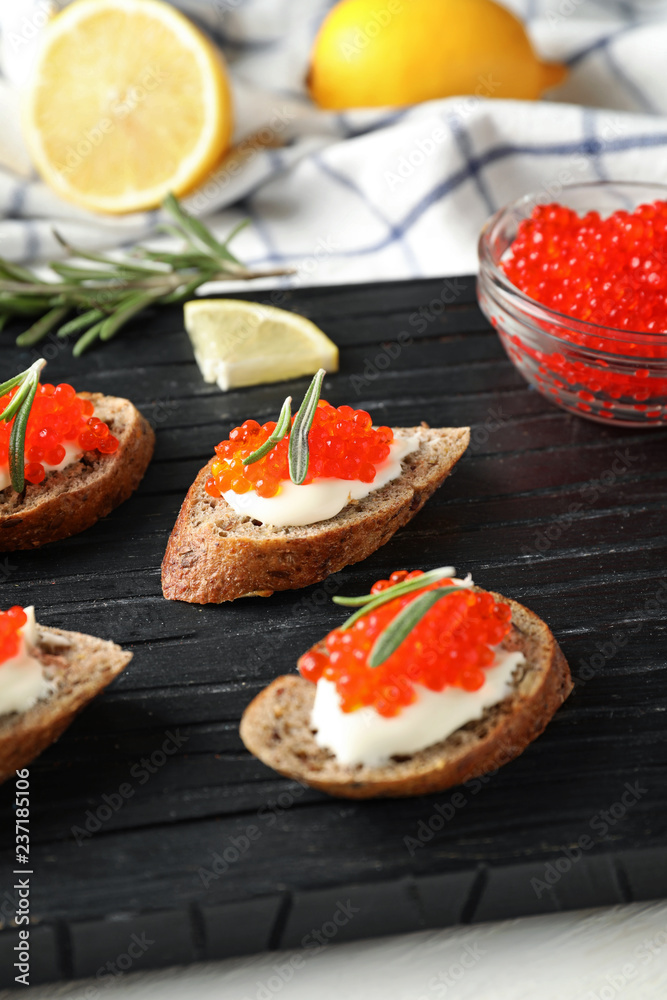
[129, 101]
[239, 343]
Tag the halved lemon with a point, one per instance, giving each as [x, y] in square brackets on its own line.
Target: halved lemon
[129, 101]
[239, 343]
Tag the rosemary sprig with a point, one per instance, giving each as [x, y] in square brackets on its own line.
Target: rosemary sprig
[276, 436]
[388, 595]
[400, 627]
[398, 589]
[298, 454]
[18, 409]
[108, 294]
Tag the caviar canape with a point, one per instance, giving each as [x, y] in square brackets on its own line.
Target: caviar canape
[418, 638]
[47, 675]
[336, 449]
[286, 504]
[66, 458]
[430, 682]
[58, 427]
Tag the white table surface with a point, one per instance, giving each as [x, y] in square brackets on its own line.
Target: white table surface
[617, 953]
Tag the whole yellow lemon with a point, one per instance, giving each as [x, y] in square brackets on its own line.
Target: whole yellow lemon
[370, 53]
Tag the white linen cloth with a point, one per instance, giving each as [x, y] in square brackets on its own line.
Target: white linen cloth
[616, 953]
[372, 194]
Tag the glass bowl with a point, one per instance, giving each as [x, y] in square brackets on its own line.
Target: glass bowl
[605, 374]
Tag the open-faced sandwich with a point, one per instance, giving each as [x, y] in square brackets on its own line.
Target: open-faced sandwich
[429, 683]
[47, 675]
[285, 504]
[66, 458]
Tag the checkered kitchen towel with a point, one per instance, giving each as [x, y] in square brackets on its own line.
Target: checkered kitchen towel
[375, 194]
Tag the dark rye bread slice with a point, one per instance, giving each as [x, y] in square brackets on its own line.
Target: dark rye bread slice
[70, 501]
[276, 727]
[215, 554]
[79, 666]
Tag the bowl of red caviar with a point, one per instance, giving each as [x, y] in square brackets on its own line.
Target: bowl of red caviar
[577, 292]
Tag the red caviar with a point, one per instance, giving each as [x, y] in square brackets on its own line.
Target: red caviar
[607, 271]
[343, 444]
[603, 273]
[450, 646]
[11, 623]
[57, 417]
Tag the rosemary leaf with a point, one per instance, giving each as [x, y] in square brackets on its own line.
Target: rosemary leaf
[381, 599]
[18, 409]
[276, 436]
[102, 258]
[17, 399]
[88, 338]
[10, 383]
[133, 305]
[192, 226]
[298, 454]
[17, 436]
[400, 627]
[39, 330]
[15, 272]
[20, 306]
[73, 273]
[180, 294]
[80, 322]
[398, 589]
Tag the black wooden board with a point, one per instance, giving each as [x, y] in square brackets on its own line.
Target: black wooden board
[563, 514]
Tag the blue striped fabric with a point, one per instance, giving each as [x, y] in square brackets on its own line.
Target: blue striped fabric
[377, 194]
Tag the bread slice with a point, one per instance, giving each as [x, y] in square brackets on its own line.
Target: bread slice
[215, 554]
[276, 727]
[79, 666]
[73, 499]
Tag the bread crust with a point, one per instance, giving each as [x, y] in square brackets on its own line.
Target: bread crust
[79, 671]
[502, 734]
[70, 501]
[204, 564]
